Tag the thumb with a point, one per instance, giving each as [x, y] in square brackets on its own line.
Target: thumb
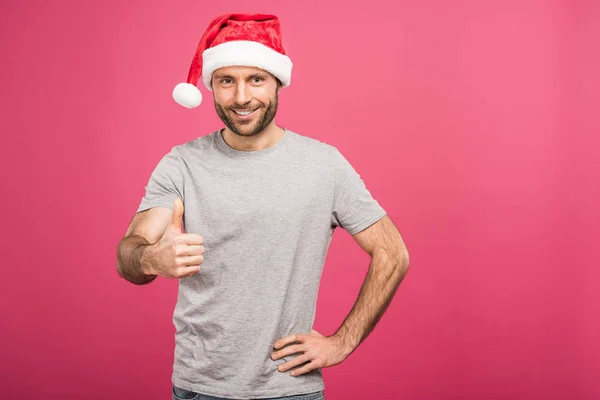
[177, 213]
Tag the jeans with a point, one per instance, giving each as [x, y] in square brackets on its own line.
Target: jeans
[183, 394]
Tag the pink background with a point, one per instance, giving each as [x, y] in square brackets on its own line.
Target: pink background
[475, 124]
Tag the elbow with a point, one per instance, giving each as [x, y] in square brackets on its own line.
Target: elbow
[402, 260]
[120, 260]
[119, 271]
[395, 259]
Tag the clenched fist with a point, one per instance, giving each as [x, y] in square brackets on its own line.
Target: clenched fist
[176, 254]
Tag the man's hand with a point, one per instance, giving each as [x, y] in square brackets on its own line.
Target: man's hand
[318, 350]
[176, 254]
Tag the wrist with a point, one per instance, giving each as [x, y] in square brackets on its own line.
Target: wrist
[344, 345]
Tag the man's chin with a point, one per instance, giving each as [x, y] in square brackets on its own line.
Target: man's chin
[244, 130]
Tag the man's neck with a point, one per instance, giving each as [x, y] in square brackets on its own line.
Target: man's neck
[265, 139]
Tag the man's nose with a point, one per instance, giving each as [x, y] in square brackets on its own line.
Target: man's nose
[242, 95]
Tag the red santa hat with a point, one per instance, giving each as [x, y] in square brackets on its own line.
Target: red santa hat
[252, 40]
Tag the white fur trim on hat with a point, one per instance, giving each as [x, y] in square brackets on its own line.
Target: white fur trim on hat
[245, 53]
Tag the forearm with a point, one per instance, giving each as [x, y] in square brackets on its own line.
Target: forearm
[376, 293]
[130, 258]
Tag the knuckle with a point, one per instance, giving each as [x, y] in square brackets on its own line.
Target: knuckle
[178, 238]
[188, 274]
[178, 248]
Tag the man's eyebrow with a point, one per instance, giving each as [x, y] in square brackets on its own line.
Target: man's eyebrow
[219, 76]
[255, 75]
[258, 75]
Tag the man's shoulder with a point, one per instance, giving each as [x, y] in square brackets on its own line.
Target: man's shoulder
[319, 152]
[314, 144]
[197, 144]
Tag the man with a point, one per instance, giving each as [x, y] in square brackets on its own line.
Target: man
[261, 205]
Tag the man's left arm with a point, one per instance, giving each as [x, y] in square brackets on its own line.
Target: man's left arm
[389, 264]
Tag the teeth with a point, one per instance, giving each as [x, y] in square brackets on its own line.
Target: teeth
[243, 112]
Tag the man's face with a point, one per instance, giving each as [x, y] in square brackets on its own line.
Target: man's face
[245, 98]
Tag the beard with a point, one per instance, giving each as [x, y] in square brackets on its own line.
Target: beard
[251, 127]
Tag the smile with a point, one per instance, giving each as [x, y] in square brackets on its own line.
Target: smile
[244, 112]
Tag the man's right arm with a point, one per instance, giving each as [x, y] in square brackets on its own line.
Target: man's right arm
[145, 230]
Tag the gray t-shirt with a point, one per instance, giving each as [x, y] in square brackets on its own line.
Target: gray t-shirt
[267, 218]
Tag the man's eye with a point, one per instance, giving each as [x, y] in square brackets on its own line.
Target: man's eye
[257, 79]
[226, 80]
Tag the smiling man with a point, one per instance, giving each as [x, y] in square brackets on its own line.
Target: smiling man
[245, 118]
[261, 205]
[246, 109]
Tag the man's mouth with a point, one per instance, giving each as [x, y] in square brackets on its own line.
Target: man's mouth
[244, 113]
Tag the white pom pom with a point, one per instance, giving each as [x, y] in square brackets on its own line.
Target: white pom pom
[187, 95]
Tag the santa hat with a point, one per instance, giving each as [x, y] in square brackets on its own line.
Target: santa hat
[252, 40]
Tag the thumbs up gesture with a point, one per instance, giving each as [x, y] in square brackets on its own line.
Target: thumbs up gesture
[177, 219]
[176, 254]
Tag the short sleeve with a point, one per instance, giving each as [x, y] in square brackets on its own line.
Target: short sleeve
[165, 184]
[354, 209]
